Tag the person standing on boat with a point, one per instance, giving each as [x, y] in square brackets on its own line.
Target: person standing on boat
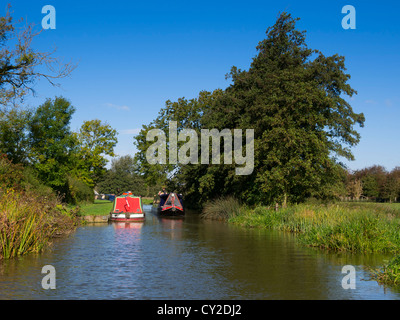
[163, 196]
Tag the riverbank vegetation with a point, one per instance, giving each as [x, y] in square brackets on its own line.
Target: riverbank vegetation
[123, 176]
[31, 214]
[359, 227]
[342, 227]
[43, 164]
[97, 208]
[222, 209]
[297, 101]
[388, 273]
[29, 222]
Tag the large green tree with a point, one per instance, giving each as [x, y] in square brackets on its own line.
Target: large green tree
[294, 99]
[188, 115]
[52, 143]
[95, 141]
[123, 177]
[14, 142]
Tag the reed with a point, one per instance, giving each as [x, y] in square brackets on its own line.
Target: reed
[352, 227]
[389, 273]
[222, 209]
[333, 227]
[27, 223]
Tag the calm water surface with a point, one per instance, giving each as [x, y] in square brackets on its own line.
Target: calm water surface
[187, 259]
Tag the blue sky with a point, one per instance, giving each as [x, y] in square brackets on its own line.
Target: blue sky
[133, 56]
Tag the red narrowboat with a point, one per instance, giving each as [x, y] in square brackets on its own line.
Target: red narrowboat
[127, 208]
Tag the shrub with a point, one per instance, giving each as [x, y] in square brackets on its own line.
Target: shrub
[28, 222]
[78, 192]
[32, 184]
[11, 175]
[221, 209]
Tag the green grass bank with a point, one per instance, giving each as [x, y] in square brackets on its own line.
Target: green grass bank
[97, 208]
[346, 227]
[353, 227]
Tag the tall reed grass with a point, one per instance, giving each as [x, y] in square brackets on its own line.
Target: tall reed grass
[222, 209]
[352, 227]
[27, 223]
[334, 227]
[389, 273]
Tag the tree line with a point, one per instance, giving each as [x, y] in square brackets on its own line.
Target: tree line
[70, 163]
[373, 183]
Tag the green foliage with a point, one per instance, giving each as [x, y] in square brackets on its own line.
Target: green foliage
[13, 138]
[222, 209]
[95, 141]
[20, 65]
[51, 141]
[295, 106]
[11, 175]
[123, 176]
[292, 97]
[28, 222]
[69, 163]
[78, 191]
[22, 179]
[33, 184]
[353, 228]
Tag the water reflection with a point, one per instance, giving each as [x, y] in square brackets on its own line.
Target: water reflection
[172, 227]
[186, 258]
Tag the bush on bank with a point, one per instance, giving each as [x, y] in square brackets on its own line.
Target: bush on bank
[28, 222]
[222, 209]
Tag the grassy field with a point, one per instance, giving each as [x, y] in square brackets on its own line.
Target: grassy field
[147, 200]
[98, 208]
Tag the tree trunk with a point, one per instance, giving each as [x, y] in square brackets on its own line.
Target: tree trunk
[284, 200]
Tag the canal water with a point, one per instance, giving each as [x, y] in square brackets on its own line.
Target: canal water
[189, 258]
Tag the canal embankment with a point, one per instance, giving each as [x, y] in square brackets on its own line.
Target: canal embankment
[347, 227]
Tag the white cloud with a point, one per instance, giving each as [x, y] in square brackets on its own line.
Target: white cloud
[114, 106]
[388, 102]
[130, 131]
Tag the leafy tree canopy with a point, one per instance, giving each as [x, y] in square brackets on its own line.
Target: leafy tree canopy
[95, 141]
[293, 98]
